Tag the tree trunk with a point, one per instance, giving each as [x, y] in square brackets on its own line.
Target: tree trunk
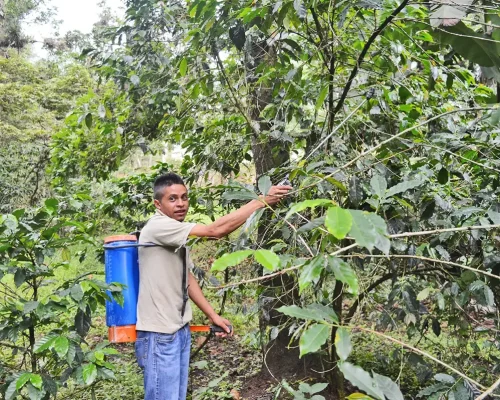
[269, 153]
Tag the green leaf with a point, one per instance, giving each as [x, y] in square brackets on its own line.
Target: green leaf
[344, 273]
[21, 381]
[403, 187]
[11, 222]
[35, 393]
[338, 222]
[61, 346]
[343, 345]
[378, 185]
[36, 380]
[298, 207]
[82, 321]
[183, 65]
[30, 306]
[51, 205]
[313, 224]
[389, 388]
[10, 393]
[312, 312]
[76, 292]
[424, 294]
[45, 342]
[494, 216]
[135, 80]
[443, 176]
[369, 230]
[313, 338]
[445, 378]
[470, 44]
[321, 97]
[310, 272]
[264, 184]
[19, 276]
[300, 8]
[361, 379]
[296, 312]
[88, 120]
[231, 259]
[268, 259]
[89, 373]
[322, 313]
[362, 230]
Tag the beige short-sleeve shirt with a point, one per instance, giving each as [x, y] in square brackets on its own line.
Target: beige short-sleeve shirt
[160, 275]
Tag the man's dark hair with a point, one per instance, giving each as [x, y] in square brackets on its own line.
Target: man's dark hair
[164, 181]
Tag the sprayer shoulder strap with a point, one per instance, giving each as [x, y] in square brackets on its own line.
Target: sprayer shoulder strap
[185, 295]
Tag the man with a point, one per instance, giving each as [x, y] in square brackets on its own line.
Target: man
[163, 312]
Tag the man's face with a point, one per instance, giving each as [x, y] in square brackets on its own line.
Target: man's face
[174, 203]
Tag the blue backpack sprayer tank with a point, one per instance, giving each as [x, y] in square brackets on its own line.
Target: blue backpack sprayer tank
[121, 258]
[122, 266]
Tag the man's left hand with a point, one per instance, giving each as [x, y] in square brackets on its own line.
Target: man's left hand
[223, 323]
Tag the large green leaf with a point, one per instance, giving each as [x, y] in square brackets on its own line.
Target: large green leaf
[313, 338]
[310, 272]
[470, 45]
[298, 207]
[231, 259]
[378, 185]
[61, 346]
[369, 230]
[343, 345]
[388, 386]
[338, 222]
[89, 373]
[21, 381]
[312, 312]
[361, 379]
[344, 273]
[268, 259]
[36, 380]
[449, 13]
[264, 184]
[45, 342]
[403, 187]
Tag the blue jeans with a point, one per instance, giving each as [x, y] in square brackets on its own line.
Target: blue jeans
[164, 359]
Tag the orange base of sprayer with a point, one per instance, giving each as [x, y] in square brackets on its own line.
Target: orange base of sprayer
[122, 334]
[127, 333]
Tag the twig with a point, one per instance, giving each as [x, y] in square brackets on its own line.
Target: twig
[425, 259]
[459, 229]
[489, 391]
[425, 354]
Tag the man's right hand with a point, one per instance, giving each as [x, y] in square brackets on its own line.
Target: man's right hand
[276, 194]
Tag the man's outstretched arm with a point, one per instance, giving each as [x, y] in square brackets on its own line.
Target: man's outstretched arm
[202, 303]
[232, 221]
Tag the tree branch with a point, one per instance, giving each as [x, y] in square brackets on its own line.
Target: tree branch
[363, 53]
[236, 102]
[378, 282]
[489, 391]
[450, 263]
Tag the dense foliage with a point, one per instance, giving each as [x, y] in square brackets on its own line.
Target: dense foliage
[382, 114]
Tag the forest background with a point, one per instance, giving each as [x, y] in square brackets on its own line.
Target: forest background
[376, 279]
